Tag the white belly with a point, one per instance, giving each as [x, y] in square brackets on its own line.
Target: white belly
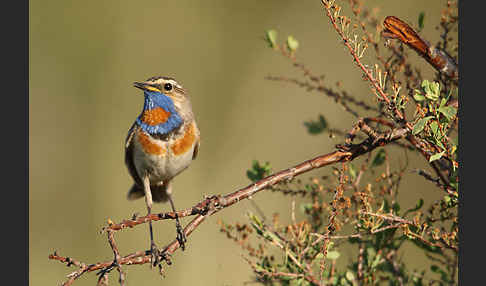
[161, 160]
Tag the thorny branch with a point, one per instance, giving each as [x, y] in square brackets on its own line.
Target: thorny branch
[381, 94]
[397, 129]
[393, 26]
[214, 204]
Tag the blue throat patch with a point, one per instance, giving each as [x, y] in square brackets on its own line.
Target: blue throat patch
[154, 100]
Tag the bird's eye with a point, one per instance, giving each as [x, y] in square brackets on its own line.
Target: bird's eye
[168, 86]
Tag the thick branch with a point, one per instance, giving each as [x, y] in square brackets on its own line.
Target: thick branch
[214, 204]
[397, 29]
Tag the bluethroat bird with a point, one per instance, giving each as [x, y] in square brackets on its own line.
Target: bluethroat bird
[162, 142]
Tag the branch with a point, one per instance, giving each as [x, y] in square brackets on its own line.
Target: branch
[332, 12]
[442, 62]
[214, 204]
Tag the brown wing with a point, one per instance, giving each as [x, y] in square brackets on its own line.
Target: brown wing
[196, 150]
[129, 154]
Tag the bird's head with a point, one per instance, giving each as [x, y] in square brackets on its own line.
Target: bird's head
[158, 87]
[165, 105]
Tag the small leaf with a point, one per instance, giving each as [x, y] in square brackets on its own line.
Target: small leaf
[396, 207]
[259, 268]
[258, 171]
[432, 96]
[255, 220]
[443, 102]
[379, 158]
[418, 96]
[438, 143]
[432, 91]
[271, 38]
[371, 253]
[376, 261]
[305, 207]
[418, 206]
[425, 84]
[320, 255]
[434, 87]
[350, 275]
[436, 156]
[419, 126]
[286, 278]
[329, 246]
[333, 255]
[434, 127]
[448, 111]
[421, 18]
[292, 44]
[352, 172]
[316, 127]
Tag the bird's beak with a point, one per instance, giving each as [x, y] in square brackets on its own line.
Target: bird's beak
[146, 86]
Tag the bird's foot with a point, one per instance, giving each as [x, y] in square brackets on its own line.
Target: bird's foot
[155, 255]
[181, 237]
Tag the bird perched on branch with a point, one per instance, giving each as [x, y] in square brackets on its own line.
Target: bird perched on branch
[162, 142]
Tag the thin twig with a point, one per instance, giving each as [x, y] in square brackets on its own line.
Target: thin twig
[214, 204]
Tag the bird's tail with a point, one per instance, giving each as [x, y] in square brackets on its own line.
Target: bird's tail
[160, 193]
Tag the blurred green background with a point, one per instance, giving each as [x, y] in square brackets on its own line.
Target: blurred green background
[84, 56]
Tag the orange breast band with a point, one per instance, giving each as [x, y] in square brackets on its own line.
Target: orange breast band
[155, 116]
[149, 146]
[183, 144]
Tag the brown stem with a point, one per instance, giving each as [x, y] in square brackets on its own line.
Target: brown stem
[214, 204]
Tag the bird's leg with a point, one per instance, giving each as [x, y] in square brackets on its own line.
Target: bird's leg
[181, 237]
[148, 200]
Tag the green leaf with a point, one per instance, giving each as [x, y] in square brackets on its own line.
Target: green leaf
[306, 207]
[352, 171]
[436, 156]
[425, 84]
[434, 91]
[443, 275]
[316, 127]
[271, 38]
[447, 200]
[376, 261]
[329, 246]
[420, 125]
[333, 255]
[371, 253]
[258, 171]
[256, 223]
[421, 18]
[292, 44]
[418, 206]
[286, 278]
[434, 127]
[443, 102]
[379, 158]
[418, 96]
[320, 255]
[350, 275]
[396, 207]
[448, 111]
[259, 268]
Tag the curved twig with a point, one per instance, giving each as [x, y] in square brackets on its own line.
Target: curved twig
[214, 204]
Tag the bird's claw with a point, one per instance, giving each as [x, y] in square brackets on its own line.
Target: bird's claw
[154, 255]
[181, 237]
